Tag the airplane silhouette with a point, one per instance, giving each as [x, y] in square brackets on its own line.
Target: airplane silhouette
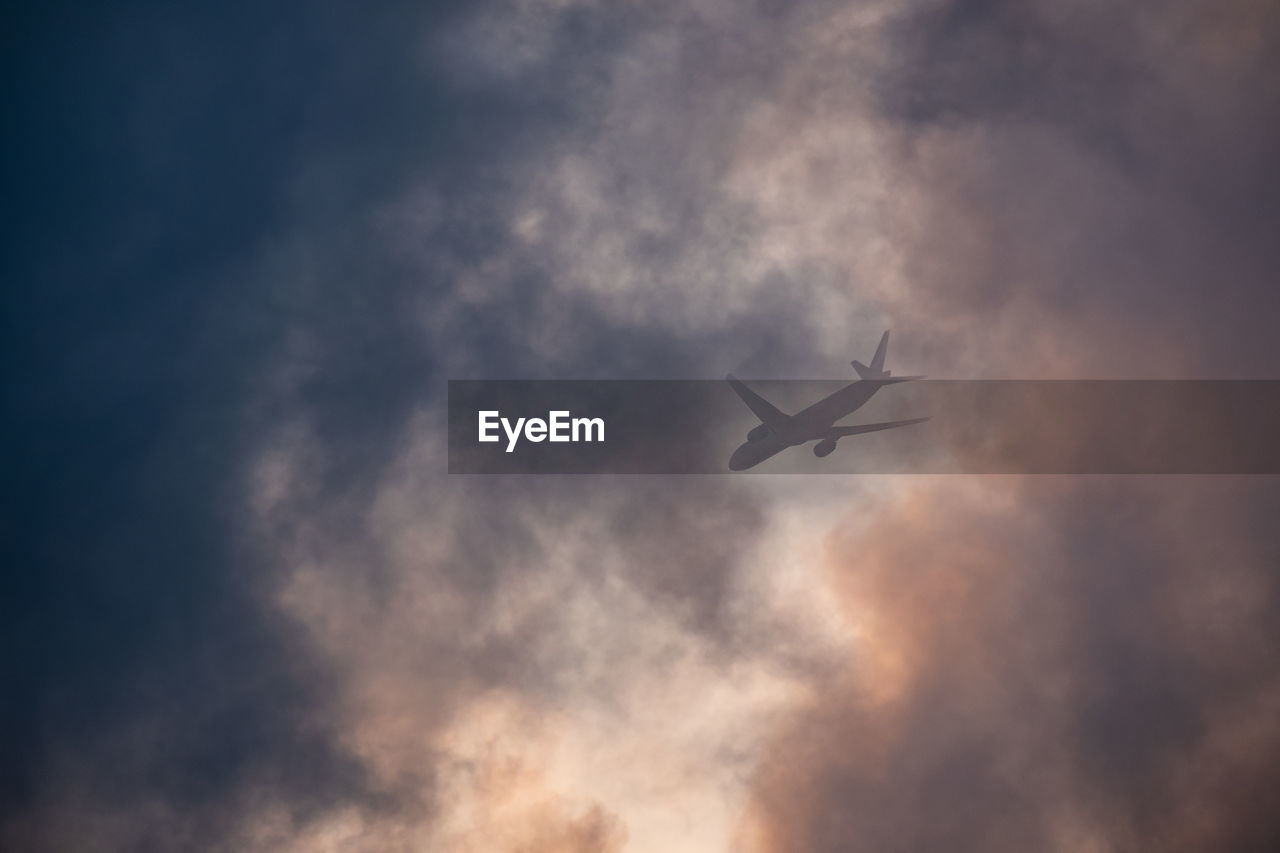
[777, 431]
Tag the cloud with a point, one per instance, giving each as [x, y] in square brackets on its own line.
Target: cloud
[591, 642]
[259, 614]
[1048, 665]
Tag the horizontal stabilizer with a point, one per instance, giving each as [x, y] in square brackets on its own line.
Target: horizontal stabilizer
[866, 372]
[842, 431]
[768, 414]
[876, 372]
[869, 375]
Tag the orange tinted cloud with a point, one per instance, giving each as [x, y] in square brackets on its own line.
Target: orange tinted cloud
[1042, 664]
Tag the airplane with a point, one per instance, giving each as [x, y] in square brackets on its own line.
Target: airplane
[777, 431]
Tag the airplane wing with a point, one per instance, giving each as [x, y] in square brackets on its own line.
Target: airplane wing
[842, 431]
[768, 414]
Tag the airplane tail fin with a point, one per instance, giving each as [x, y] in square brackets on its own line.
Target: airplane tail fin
[877, 361]
[876, 370]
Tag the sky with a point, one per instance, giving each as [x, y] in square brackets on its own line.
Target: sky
[245, 247]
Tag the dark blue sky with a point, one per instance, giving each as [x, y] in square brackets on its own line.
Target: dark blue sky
[150, 154]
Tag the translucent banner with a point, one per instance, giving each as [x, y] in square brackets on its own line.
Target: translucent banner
[866, 427]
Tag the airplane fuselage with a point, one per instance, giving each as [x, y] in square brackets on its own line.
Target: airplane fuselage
[811, 424]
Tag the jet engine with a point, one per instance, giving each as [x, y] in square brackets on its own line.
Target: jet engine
[758, 433]
[824, 447]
